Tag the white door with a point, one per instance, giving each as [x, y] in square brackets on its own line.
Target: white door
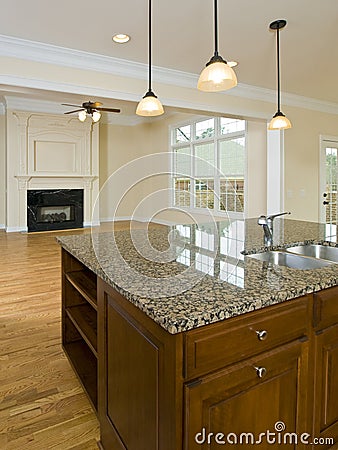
[328, 184]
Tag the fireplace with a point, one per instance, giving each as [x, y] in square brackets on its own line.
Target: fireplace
[56, 209]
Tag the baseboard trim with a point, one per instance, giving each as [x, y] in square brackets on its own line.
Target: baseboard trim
[137, 219]
[16, 229]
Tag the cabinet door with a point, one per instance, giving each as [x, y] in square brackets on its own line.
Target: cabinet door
[326, 385]
[140, 402]
[254, 396]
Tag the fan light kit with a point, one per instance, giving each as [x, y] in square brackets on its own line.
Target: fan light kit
[89, 108]
[217, 75]
[279, 121]
[150, 105]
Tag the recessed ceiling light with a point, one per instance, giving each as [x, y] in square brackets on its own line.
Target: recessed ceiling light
[121, 38]
[232, 63]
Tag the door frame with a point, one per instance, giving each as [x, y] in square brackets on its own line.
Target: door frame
[323, 141]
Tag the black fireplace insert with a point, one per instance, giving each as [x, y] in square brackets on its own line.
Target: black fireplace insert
[57, 209]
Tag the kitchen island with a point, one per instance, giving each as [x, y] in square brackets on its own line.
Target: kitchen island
[183, 341]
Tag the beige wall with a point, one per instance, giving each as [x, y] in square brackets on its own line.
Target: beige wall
[301, 148]
[2, 170]
[149, 197]
[301, 142]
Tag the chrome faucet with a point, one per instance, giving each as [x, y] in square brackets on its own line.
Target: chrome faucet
[267, 223]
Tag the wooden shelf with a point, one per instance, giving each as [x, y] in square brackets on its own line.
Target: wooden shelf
[85, 283]
[79, 322]
[84, 318]
[85, 365]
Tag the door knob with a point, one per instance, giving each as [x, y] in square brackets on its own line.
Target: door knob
[325, 202]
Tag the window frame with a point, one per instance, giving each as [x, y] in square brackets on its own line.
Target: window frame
[216, 140]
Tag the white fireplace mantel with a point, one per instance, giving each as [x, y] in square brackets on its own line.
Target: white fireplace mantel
[49, 152]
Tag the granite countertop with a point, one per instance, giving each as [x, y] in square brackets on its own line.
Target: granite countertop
[187, 276]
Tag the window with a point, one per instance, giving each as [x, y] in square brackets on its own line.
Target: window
[209, 160]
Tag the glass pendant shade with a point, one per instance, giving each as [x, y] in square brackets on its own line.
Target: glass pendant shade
[279, 122]
[82, 116]
[217, 76]
[96, 116]
[149, 106]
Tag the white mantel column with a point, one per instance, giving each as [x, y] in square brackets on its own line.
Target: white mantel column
[17, 178]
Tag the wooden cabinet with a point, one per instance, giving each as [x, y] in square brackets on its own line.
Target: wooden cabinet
[325, 409]
[79, 322]
[158, 391]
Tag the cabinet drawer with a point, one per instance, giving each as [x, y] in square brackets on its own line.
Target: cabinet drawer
[219, 345]
[325, 308]
[237, 399]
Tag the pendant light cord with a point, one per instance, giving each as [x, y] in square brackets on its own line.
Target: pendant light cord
[278, 73]
[149, 46]
[216, 27]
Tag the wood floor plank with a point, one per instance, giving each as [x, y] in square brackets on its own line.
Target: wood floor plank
[42, 404]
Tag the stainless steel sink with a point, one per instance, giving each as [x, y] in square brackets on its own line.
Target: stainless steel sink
[316, 251]
[283, 258]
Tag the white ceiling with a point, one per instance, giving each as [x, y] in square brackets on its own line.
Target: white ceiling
[183, 36]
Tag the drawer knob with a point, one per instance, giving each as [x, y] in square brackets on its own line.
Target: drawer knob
[262, 335]
[261, 371]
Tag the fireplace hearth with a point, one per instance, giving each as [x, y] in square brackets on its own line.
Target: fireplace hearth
[56, 209]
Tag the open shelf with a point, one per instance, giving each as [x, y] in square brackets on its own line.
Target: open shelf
[79, 321]
[85, 283]
[85, 365]
[84, 318]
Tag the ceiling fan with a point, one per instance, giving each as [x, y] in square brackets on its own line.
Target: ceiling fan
[91, 109]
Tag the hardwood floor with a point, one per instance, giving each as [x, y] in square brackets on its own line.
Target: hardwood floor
[42, 404]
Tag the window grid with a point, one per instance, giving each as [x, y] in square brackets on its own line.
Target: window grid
[212, 192]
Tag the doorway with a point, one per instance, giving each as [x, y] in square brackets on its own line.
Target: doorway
[328, 212]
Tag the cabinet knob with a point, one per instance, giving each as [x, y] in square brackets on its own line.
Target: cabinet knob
[260, 371]
[262, 335]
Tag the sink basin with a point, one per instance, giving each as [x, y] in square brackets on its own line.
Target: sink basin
[281, 258]
[316, 251]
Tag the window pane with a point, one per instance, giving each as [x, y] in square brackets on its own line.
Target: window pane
[232, 157]
[182, 191]
[205, 160]
[182, 134]
[231, 125]
[232, 194]
[205, 129]
[182, 162]
[204, 193]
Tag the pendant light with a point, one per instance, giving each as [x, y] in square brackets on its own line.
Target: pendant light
[217, 75]
[150, 104]
[279, 121]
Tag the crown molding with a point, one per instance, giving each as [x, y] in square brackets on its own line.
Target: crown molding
[33, 105]
[43, 106]
[52, 54]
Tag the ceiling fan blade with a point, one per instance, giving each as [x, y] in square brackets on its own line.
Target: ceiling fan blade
[76, 110]
[67, 104]
[115, 110]
[96, 104]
